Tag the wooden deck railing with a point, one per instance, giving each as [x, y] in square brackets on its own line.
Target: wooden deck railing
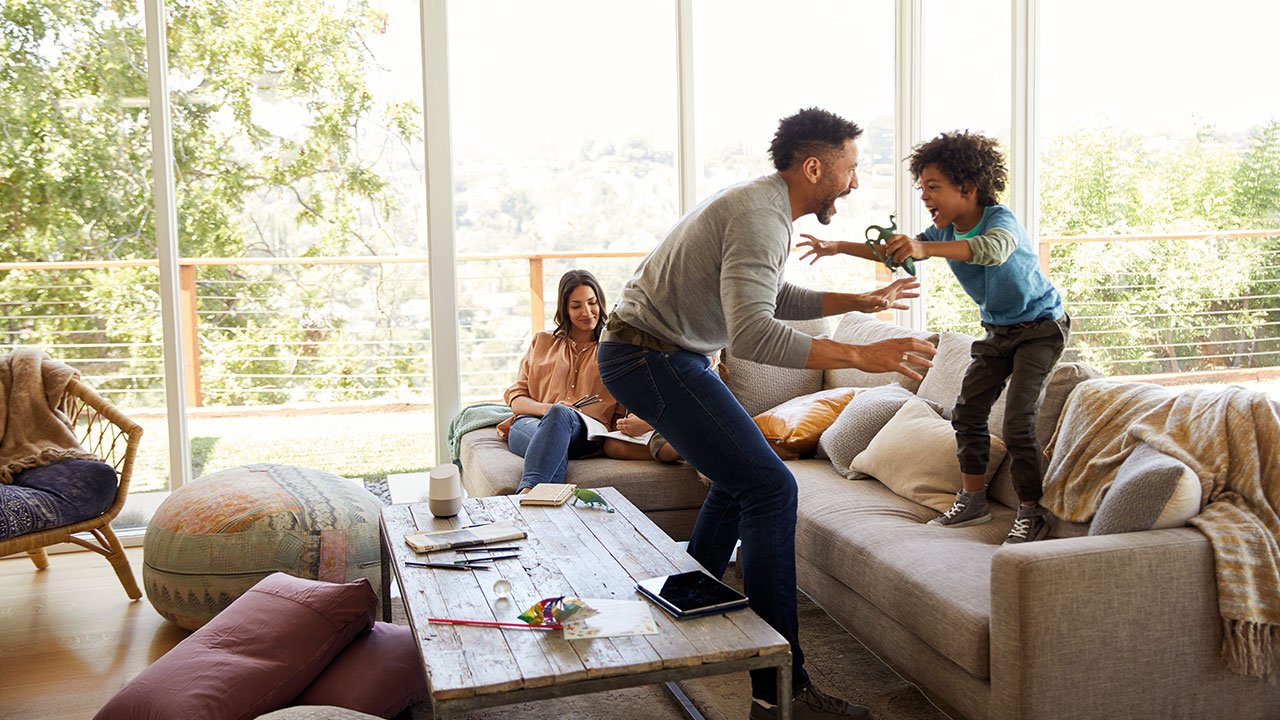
[188, 276]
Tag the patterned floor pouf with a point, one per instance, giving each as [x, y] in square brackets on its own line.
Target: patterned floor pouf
[215, 538]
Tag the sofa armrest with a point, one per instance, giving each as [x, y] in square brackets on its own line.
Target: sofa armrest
[1131, 619]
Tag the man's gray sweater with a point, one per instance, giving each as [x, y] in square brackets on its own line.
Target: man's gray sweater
[716, 280]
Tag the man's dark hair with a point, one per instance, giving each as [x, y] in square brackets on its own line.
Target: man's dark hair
[812, 132]
[569, 282]
[966, 159]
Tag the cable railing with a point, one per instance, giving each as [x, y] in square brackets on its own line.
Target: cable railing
[269, 331]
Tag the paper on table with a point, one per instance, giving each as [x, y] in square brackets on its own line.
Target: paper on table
[614, 618]
[596, 429]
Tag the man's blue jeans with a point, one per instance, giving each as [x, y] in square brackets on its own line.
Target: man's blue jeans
[753, 494]
[548, 443]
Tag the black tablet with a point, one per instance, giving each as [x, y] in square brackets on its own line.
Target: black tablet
[690, 594]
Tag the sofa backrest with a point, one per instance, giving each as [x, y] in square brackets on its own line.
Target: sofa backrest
[761, 387]
[860, 329]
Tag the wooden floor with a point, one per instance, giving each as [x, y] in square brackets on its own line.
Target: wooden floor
[70, 637]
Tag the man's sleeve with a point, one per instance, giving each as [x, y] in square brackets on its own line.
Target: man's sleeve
[798, 303]
[755, 249]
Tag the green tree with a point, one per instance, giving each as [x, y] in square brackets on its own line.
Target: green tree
[75, 177]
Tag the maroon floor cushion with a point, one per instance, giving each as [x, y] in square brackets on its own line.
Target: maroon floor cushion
[380, 673]
[256, 656]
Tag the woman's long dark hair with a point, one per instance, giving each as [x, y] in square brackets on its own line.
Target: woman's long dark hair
[569, 282]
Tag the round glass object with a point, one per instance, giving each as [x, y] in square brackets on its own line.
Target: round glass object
[502, 588]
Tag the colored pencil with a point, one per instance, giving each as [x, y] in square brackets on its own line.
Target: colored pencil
[446, 566]
[485, 559]
[487, 623]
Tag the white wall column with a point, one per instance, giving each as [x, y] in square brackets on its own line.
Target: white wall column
[686, 160]
[1024, 178]
[908, 91]
[446, 382]
[167, 243]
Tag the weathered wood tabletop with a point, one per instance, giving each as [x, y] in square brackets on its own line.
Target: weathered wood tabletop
[570, 550]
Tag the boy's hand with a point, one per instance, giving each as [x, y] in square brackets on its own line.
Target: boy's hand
[890, 296]
[901, 247]
[818, 248]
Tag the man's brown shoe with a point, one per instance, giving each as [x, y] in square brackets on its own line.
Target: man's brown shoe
[813, 704]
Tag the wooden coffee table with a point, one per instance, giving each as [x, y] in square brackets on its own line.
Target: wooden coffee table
[569, 551]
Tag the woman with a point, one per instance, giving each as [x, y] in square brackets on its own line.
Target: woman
[559, 370]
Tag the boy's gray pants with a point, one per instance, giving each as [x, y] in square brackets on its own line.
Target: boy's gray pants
[1024, 355]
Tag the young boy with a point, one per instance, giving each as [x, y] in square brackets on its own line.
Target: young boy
[959, 175]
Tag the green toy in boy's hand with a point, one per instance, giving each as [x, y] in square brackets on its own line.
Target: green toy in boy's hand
[883, 234]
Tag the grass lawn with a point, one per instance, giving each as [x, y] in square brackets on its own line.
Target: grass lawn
[366, 445]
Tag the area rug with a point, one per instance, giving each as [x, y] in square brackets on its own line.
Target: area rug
[837, 662]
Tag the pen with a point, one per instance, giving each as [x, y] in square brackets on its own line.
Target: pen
[491, 549]
[592, 401]
[446, 566]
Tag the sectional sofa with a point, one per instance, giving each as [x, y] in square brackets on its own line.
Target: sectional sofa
[1078, 626]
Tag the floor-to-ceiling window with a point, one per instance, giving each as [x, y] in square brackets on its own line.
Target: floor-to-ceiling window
[78, 275]
[757, 62]
[300, 197]
[1160, 182]
[564, 130]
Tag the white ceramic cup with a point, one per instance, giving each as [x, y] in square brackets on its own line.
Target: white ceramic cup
[444, 491]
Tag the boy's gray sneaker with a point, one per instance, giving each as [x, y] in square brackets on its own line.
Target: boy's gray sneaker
[813, 704]
[968, 509]
[1027, 528]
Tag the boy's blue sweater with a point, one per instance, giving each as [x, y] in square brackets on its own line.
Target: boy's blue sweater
[1015, 291]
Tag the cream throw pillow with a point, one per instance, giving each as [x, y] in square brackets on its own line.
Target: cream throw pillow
[914, 455]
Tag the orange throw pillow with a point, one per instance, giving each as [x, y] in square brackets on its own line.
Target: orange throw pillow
[793, 427]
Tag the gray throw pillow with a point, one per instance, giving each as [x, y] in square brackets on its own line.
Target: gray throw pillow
[761, 387]
[1151, 490]
[859, 422]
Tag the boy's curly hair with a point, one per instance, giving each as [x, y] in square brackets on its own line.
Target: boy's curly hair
[965, 158]
[810, 132]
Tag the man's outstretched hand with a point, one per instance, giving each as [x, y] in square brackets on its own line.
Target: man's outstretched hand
[891, 296]
[897, 355]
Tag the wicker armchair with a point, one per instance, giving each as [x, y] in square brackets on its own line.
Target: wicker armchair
[114, 438]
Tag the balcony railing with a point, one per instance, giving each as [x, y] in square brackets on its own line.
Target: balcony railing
[263, 331]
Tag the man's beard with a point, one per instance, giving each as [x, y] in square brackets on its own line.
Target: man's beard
[824, 215]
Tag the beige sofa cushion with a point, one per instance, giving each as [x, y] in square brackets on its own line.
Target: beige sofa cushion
[490, 468]
[933, 581]
[914, 455]
[859, 329]
[858, 424]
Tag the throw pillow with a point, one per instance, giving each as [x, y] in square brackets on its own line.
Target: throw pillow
[859, 329]
[759, 387]
[379, 673]
[858, 423]
[914, 455]
[253, 657]
[793, 427]
[1151, 490]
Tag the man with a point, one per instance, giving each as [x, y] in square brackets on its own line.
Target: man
[716, 281]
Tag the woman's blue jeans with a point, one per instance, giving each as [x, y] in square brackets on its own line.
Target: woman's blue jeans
[753, 494]
[548, 443]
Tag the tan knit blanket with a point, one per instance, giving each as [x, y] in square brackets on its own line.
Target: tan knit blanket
[1231, 439]
[33, 429]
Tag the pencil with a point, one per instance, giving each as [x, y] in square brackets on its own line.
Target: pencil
[446, 566]
[484, 559]
[487, 623]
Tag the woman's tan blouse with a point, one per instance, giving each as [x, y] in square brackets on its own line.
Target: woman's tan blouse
[557, 368]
